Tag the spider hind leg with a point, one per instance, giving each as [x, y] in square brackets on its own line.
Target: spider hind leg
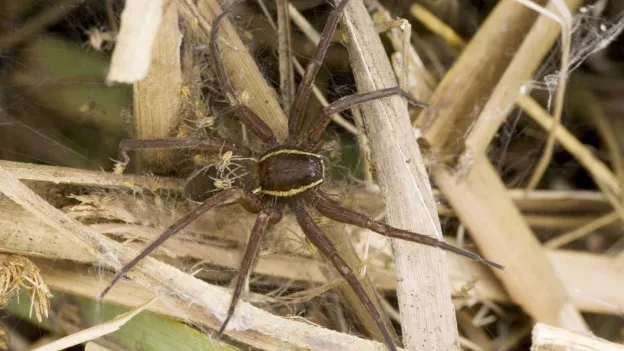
[325, 246]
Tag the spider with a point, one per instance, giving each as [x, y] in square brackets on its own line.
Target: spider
[284, 175]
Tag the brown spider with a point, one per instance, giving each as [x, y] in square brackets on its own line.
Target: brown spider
[287, 174]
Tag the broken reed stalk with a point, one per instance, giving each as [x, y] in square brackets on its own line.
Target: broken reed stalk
[590, 279]
[477, 193]
[65, 175]
[502, 234]
[546, 337]
[473, 77]
[606, 181]
[427, 314]
[156, 98]
[190, 297]
[515, 81]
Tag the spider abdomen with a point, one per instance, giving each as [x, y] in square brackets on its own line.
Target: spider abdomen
[288, 171]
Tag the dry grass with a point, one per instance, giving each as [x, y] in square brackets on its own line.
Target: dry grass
[17, 273]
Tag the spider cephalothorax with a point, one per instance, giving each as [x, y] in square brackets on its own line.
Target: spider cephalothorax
[284, 175]
[282, 172]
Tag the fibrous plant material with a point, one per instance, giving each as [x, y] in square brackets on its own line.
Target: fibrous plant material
[17, 273]
[546, 337]
[64, 175]
[591, 280]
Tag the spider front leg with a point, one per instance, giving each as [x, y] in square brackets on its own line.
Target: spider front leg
[248, 200]
[335, 211]
[264, 220]
[249, 118]
[351, 100]
[195, 142]
[295, 118]
[318, 238]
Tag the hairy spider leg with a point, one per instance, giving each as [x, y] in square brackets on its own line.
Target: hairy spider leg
[297, 111]
[249, 118]
[193, 142]
[264, 220]
[335, 211]
[318, 238]
[351, 100]
[248, 200]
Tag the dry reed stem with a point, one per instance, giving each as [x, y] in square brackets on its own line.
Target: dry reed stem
[64, 175]
[364, 145]
[481, 202]
[78, 281]
[602, 175]
[584, 102]
[435, 25]
[583, 231]
[477, 335]
[131, 58]
[547, 200]
[509, 88]
[593, 281]
[287, 74]
[242, 69]
[546, 337]
[595, 166]
[559, 200]
[427, 314]
[194, 299]
[468, 84]
[420, 83]
[489, 218]
[157, 96]
[564, 19]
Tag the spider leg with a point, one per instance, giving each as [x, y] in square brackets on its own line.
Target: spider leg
[351, 100]
[335, 211]
[195, 142]
[251, 120]
[264, 220]
[295, 118]
[247, 199]
[318, 238]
